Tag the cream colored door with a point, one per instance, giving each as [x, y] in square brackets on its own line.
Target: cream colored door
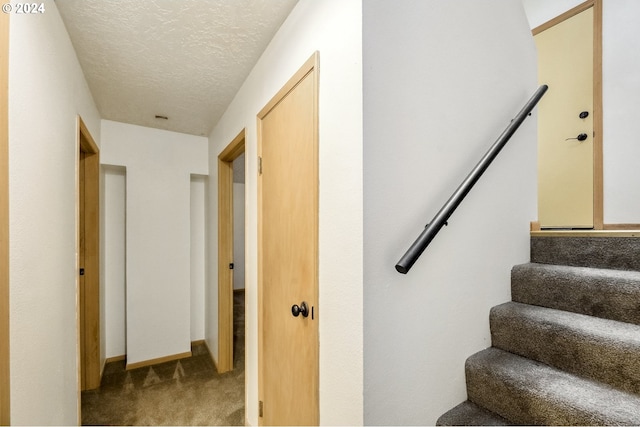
[565, 140]
[288, 253]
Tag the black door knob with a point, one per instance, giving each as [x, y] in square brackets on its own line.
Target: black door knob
[584, 115]
[298, 310]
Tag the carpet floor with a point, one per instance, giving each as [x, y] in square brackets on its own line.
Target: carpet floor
[181, 392]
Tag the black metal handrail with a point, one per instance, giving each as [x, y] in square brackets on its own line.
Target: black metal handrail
[441, 218]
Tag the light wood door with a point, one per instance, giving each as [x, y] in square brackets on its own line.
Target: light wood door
[88, 260]
[565, 166]
[288, 253]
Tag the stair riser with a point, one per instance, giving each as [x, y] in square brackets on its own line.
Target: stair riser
[469, 414]
[606, 294]
[532, 394]
[574, 343]
[618, 253]
[486, 390]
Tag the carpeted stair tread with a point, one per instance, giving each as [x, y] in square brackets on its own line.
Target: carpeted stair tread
[619, 253]
[469, 414]
[610, 294]
[600, 349]
[529, 392]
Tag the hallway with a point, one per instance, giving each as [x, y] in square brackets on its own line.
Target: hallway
[148, 307]
[181, 392]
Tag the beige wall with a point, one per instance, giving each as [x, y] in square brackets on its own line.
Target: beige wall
[47, 92]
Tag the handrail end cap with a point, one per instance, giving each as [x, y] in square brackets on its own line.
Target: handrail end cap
[401, 269]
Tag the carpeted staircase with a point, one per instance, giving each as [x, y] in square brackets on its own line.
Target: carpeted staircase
[566, 350]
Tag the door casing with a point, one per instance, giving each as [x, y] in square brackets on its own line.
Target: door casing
[225, 251]
[88, 244]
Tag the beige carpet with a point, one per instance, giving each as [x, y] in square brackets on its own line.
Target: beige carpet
[184, 392]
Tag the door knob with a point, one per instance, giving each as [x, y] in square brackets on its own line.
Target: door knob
[298, 310]
[581, 137]
[584, 115]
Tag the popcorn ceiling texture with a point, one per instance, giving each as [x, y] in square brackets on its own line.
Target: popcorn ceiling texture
[184, 59]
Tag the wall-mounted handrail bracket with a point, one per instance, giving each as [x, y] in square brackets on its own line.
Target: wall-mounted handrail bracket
[441, 218]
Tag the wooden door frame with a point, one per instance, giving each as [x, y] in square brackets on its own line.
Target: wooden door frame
[225, 251]
[311, 65]
[88, 170]
[598, 180]
[5, 390]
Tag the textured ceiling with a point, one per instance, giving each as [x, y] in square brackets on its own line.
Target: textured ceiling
[183, 59]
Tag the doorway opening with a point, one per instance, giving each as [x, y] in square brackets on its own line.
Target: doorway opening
[197, 225]
[226, 262]
[239, 300]
[88, 284]
[114, 197]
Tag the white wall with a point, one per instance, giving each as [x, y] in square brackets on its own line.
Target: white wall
[114, 261]
[620, 89]
[197, 257]
[159, 166]
[334, 28]
[47, 91]
[540, 11]
[442, 80]
[238, 235]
